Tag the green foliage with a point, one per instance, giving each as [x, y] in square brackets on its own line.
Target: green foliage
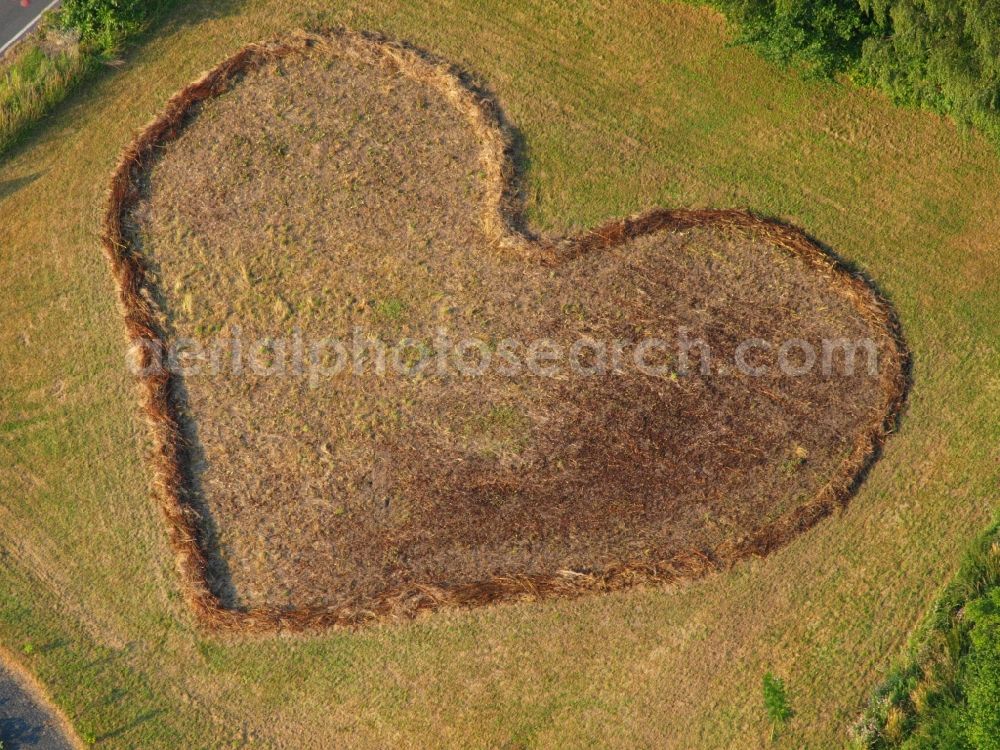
[823, 36]
[105, 24]
[31, 85]
[957, 675]
[39, 78]
[983, 673]
[940, 54]
[779, 711]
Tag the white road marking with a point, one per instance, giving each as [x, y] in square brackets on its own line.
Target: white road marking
[27, 28]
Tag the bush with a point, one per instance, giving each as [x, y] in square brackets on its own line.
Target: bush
[824, 36]
[779, 711]
[105, 24]
[40, 73]
[940, 54]
[982, 678]
[947, 697]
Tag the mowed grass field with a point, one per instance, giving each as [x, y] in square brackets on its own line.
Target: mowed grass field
[621, 107]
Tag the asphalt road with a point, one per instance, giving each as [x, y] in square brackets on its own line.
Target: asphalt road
[16, 19]
[24, 723]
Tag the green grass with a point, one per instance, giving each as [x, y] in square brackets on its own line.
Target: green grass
[776, 704]
[34, 83]
[620, 108]
[944, 694]
[68, 43]
[390, 309]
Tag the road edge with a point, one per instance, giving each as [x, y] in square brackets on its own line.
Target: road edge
[38, 692]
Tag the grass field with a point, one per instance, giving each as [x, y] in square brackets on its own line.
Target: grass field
[620, 107]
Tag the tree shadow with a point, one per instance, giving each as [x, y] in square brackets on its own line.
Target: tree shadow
[129, 726]
[188, 13]
[116, 697]
[9, 187]
[16, 732]
[25, 724]
[52, 645]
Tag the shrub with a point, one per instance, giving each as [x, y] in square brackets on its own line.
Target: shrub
[824, 36]
[779, 711]
[940, 54]
[39, 74]
[982, 679]
[104, 24]
[957, 665]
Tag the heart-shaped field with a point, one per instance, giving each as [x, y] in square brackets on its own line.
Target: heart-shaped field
[373, 394]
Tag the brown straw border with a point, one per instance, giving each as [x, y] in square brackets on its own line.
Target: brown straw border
[502, 224]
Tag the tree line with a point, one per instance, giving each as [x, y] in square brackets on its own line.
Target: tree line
[939, 54]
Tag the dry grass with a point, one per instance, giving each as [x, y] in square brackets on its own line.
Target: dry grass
[365, 163]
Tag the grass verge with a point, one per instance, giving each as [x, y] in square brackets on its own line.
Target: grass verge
[39, 75]
[945, 694]
[70, 43]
